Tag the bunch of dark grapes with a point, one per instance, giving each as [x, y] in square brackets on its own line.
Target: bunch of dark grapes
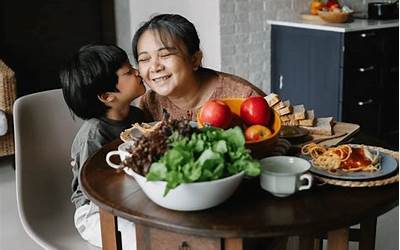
[183, 127]
[147, 149]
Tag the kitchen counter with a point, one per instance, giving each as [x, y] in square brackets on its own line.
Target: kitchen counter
[354, 25]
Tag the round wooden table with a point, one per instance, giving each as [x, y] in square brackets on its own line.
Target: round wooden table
[250, 213]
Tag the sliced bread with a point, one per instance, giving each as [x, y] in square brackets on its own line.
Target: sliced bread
[323, 126]
[279, 105]
[310, 119]
[299, 112]
[287, 109]
[272, 99]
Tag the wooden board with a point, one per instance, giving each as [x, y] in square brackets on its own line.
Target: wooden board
[339, 128]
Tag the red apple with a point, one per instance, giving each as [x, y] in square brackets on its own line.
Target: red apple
[216, 113]
[257, 133]
[255, 110]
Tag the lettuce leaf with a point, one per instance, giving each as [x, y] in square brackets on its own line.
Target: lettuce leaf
[210, 154]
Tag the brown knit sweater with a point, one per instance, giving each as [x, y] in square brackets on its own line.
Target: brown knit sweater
[227, 86]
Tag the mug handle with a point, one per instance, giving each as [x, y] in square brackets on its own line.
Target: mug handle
[309, 179]
[110, 163]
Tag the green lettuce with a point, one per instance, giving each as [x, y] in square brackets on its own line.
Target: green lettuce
[209, 154]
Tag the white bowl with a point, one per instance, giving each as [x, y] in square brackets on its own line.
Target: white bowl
[190, 196]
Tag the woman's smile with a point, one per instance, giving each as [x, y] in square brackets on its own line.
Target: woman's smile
[160, 79]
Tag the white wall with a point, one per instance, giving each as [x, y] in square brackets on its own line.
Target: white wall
[203, 14]
[123, 26]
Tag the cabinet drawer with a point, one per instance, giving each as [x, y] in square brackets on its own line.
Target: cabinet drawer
[156, 239]
[362, 75]
[362, 42]
[365, 112]
[367, 61]
[360, 89]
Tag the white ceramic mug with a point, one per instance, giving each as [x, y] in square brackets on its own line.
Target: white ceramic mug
[122, 152]
[285, 175]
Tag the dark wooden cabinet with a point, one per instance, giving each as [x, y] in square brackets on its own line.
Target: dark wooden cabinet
[352, 76]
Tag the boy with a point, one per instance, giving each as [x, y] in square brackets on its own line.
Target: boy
[99, 85]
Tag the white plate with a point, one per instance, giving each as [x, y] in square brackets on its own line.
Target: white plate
[388, 166]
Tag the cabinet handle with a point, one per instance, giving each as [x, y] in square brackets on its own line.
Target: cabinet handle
[361, 103]
[369, 34]
[184, 246]
[281, 82]
[366, 69]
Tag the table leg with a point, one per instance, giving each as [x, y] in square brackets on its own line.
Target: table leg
[109, 231]
[338, 239]
[233, 244]
[141, 237]
[309, 242]
[367, 234]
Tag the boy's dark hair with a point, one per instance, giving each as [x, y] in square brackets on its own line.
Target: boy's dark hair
[89, 73]
[170, 27]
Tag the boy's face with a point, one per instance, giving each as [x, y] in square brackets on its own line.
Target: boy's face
[129, 84]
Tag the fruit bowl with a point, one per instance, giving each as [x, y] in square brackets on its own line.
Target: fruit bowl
[189, 196]
[334, 17]
[259, 149]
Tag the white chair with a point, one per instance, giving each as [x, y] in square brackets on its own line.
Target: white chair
[44, 130]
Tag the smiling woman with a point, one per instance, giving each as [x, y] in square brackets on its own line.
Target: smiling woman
[167, 50]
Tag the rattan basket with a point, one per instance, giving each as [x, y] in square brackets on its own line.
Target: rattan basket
[7, 98]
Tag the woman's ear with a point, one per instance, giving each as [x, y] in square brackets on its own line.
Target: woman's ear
[106, 97]
[196, 60]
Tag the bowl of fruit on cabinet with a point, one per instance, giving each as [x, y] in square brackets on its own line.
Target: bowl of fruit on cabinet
[336, 14]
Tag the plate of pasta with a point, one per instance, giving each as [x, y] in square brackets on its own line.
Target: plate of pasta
[348, 161]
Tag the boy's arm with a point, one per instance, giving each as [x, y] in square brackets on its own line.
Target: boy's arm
[85, 150]
[80, 153]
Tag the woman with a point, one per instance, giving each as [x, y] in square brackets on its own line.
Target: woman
[167, 49]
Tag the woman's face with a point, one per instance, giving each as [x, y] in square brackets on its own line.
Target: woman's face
[167, 69]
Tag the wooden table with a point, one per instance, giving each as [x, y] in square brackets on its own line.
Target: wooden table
[250, 213]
